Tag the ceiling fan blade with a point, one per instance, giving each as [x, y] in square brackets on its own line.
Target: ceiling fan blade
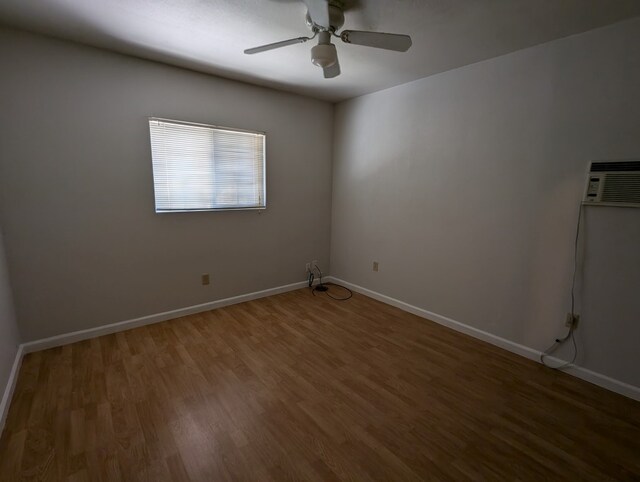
[319, 12]
[388, 41]
[333, 71]
[277, 45]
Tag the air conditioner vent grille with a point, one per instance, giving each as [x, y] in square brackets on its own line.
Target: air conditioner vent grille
[622, 188]
[615, 166]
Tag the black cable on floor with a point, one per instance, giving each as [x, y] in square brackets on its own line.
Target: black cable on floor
[344, 288]
[324, 288]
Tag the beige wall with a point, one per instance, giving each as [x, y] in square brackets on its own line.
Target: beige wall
[84, 245]
[465, 187]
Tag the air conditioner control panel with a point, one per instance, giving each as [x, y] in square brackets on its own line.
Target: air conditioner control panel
[594, 188]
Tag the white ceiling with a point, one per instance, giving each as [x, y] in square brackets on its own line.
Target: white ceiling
[210, 35]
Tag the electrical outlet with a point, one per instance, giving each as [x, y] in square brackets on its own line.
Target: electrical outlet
[572, 321]
[308, 265]
[375, 266]
[205, 279]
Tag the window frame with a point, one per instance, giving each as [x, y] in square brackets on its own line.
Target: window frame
[214, 127]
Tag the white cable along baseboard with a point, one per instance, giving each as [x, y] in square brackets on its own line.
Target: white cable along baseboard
[599, 379]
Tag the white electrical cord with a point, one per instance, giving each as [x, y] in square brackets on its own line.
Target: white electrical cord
[556, 344]
[570, 335]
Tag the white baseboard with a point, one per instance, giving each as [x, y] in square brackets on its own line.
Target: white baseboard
[11, 386]
[527, 352]
[67, 338]
[590, 376]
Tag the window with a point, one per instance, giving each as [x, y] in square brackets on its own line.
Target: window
[198, 167]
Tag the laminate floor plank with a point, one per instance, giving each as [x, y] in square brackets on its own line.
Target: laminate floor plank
[303, 387]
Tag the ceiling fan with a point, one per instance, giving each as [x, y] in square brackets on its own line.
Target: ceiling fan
[325, 18]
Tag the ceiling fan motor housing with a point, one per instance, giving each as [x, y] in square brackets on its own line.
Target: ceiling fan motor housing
[336, 18]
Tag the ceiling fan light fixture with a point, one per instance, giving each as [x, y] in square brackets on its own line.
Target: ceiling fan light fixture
[324, 55]
[325, 18]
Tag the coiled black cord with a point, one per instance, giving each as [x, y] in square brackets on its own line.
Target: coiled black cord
[324, 288]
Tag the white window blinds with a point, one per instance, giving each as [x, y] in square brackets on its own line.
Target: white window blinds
[199, 167]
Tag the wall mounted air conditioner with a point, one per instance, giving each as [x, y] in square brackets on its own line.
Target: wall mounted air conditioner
[613, 183]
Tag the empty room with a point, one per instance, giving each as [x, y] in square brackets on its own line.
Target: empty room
[319, 240]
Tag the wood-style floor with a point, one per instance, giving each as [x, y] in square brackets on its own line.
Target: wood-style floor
[297, 387]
